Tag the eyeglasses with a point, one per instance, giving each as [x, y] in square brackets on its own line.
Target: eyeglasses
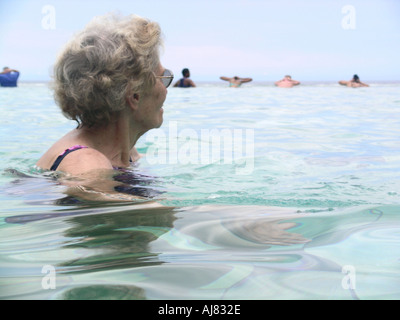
[166, 78]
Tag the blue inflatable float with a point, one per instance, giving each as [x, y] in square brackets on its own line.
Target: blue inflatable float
[9, 79]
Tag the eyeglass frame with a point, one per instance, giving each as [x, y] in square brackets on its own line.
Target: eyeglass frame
[170, 77]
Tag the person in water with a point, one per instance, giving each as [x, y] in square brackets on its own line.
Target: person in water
[110, 80]
[354, 83]
[9, 77]
[185, 82]
[287, 82]
[236, 82]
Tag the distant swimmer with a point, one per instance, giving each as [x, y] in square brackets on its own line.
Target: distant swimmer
[354, 83]
[287, 82]
[236, 82]
[185, 82]
[9, 77]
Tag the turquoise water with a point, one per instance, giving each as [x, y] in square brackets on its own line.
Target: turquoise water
[302, 203]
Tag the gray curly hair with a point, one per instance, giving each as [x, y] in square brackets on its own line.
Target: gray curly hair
[111, 58]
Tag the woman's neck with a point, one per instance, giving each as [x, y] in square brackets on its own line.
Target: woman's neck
[115, 140]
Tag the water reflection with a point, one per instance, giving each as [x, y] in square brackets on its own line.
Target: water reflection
[105, 292]
[119, 239]
[147, 251]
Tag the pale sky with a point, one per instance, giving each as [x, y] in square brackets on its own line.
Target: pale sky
[312, 40]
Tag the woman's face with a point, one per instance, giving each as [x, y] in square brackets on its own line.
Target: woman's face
[150, 113]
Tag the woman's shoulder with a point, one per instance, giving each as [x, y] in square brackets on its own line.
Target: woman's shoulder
[73, 159]
[84, 160]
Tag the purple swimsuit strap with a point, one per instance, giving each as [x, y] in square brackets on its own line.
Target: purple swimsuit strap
[64, 154]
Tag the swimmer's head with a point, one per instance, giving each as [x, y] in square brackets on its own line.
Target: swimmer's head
[356, 78]
[112, 59]
[186, 72]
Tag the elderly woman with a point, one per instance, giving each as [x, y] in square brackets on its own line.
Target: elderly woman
[110, 80]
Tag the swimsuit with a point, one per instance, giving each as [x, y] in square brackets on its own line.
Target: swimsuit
[182, 84]
[63, 155]
[131, 182]
[9, 79]
[68, 151]
[235, 85]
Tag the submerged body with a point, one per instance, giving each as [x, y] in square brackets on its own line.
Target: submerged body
[353, 83]
[287, 82]
[236, 82]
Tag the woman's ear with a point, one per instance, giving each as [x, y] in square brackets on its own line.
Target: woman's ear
[133, 101]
